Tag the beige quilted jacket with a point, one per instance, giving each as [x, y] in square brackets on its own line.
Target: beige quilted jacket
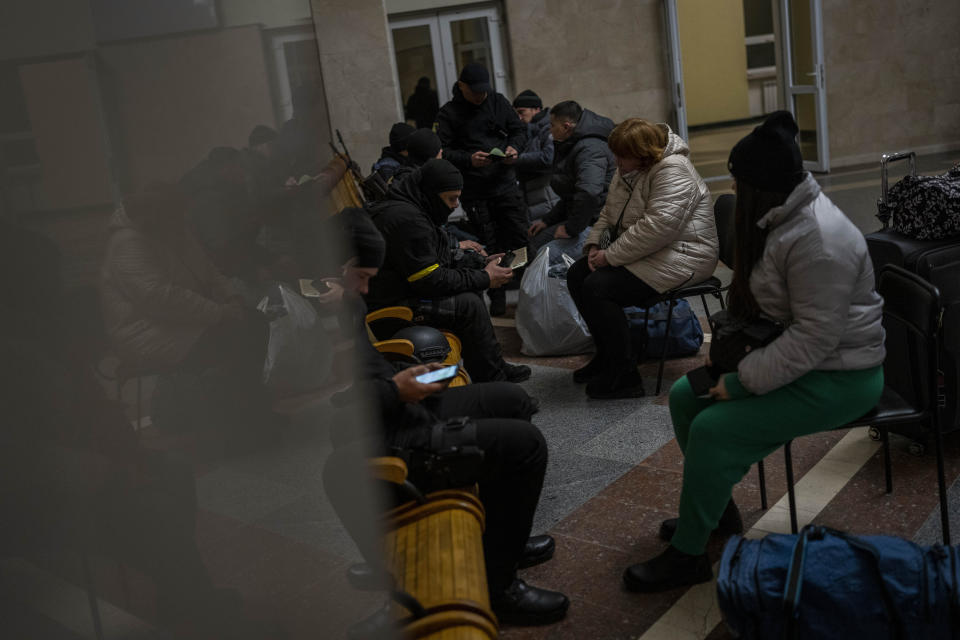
[668, 237]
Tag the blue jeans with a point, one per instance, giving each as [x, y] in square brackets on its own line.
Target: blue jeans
[573, 247]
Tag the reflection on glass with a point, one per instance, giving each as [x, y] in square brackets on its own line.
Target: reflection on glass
[471, 43]
[414, 51]
[805, 108]
[801, 39]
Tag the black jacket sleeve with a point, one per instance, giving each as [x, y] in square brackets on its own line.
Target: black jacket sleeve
[418, 257]
[447, 126]
[538, 154]
[590, 166]
[557, 214]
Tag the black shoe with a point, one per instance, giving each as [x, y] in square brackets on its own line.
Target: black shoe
[610, 386]
[588, 372]
[672, 568]
[730, 523]
[516, 372]
[522, 604]
[538, 550]
[498, 304]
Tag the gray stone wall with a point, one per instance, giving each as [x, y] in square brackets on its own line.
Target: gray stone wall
[608, 55]
[893, 77]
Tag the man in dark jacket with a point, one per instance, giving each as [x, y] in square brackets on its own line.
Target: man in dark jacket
[535, 162]
[438, 278]
[410, 413]
[583, 167]
[475, 122]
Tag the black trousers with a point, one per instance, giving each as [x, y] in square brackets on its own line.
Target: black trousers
[510, 477]
[600, 297]
[466, 315]
[501, 220]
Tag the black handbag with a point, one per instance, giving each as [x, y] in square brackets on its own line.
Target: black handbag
[451, 459]
[732, 339]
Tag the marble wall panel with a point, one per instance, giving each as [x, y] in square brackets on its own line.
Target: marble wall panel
[892, 76]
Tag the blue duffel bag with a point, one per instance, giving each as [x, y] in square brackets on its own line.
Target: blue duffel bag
[823, 583]
[686, 334]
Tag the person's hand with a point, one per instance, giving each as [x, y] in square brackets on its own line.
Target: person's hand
[499, 276]
[719, 392]
[536, 227]
[598, 259]
[290, 183]
[511, 155]
[561, 232]
[476, 246]
[480, 159]
[334, 291]
[409, 390]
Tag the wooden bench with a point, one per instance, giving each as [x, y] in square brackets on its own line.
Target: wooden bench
[433, 548]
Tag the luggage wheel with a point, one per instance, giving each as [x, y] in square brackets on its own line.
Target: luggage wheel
[916, 449]
[874, 434]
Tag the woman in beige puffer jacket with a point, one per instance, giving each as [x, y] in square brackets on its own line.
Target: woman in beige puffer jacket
[659, 216]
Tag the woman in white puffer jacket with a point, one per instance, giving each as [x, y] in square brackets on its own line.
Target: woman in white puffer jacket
[659, 215]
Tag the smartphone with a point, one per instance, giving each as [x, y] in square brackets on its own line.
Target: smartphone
[514, 259]
[313, 288]
[438, 375]
[701, 381]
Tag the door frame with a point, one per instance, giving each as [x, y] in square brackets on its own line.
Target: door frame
[819, 87]
[441, 40]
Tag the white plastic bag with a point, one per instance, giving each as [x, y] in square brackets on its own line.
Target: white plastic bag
[547, 319]
[300, 353]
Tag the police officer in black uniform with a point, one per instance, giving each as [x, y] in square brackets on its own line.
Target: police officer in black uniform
[429, 271]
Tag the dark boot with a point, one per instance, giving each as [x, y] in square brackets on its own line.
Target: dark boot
[516, 372]
[608, 386]
[588, 372]
[538, 550]
[672, 568]
[730, 523]
[522, 604]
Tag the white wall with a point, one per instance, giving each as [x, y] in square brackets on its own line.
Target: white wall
[270, 13]
[44, 27]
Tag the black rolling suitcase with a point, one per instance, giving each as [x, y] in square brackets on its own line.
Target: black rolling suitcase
[937, 261]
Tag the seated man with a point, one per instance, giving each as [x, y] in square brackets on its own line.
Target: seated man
[583, 167]
[441, 281]
[510, 475]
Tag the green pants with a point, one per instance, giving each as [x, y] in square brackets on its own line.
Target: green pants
[721, 439]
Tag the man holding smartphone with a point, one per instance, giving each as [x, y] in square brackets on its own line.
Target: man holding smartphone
[474, 126]
[441, 279]
[510, 474]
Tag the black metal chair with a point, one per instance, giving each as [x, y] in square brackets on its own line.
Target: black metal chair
[911, 314]
[723, 214]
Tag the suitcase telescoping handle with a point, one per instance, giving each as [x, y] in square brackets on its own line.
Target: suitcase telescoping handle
[885, 161]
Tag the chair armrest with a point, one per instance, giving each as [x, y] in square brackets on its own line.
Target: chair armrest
[388, 469]
[402, 313]
[397, 346]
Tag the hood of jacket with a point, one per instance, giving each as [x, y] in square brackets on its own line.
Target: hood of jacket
[675, 144]
[590, 125]
[406, 189]
[541, 119]
[802, 195]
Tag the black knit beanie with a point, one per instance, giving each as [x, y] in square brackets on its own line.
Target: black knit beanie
[527, 99]
[769, 158]
[422, 145]
[399, 133]
[437, 176]
[363, 238]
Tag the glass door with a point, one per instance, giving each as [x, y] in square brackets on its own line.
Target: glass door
[437, 46]
[804, 81]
